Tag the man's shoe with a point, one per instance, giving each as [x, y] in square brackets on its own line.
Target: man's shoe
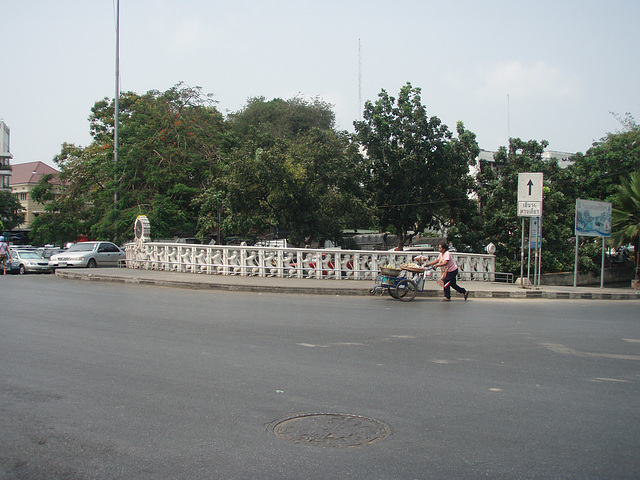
[446, 299]
[466, 294]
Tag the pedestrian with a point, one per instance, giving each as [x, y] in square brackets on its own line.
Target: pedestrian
[446, 261]
[4, 253]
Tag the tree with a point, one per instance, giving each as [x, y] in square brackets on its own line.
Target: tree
[418, 177]
[262, 122]
[11, 212]
[285, 169]
[62, 219]
[497, 187]
[597, 172]
[626, 215]
[169, 144]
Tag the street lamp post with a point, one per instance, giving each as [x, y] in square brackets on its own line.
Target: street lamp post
[116, 120]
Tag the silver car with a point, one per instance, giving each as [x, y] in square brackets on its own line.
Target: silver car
[28, 261]
[88, 254]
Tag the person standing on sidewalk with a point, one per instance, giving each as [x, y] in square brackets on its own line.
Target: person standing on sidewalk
[446, 260]
[4, 254]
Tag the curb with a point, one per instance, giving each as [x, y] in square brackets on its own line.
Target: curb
[342, 291]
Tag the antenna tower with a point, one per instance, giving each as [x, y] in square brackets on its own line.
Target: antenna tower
[359, 80]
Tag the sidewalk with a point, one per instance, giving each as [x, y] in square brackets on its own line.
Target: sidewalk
[333, 287]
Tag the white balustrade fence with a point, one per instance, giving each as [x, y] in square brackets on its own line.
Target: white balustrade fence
[289, 262]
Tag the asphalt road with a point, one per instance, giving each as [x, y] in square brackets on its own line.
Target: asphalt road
[115, 381]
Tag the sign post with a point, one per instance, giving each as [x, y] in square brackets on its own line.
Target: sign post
[530, 205]
[535, 234]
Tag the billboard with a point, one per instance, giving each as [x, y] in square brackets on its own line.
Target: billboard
[593, 219]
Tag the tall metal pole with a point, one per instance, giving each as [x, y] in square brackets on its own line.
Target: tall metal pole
[575, 263]
[116, 120]
[522, 257]
[602, 265]
[539, 223]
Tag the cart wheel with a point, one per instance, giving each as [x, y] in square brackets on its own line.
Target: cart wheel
[406, 290]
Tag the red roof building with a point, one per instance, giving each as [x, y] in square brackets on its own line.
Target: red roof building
[25, 176]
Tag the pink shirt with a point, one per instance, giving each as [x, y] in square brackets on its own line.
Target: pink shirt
[451, 263]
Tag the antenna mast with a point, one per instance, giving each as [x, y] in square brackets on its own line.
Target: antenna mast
[508, 121]
[359, 80]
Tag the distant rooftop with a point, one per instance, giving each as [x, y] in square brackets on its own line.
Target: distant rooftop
[563, 157]
[30, 172]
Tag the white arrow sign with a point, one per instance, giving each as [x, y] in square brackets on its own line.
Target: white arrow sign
[530, 194]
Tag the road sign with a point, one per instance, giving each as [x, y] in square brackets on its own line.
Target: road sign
[535, 232]
[530, 194]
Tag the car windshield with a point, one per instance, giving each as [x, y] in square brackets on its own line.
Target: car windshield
[81, 247]
[29, 255]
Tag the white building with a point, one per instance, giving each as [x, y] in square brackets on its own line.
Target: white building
[5, 156]
[562, 157]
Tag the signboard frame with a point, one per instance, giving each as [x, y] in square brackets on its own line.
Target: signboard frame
[592, 219]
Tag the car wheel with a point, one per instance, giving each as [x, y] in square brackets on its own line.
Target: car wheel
[92, 263]
[22, 270]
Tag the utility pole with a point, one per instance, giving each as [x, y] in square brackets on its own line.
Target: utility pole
[116, 119]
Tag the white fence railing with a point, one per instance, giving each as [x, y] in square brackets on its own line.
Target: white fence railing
[289, 262]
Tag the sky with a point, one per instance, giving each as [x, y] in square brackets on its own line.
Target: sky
[550, 70]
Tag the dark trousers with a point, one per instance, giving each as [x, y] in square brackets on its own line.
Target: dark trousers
[450, 282]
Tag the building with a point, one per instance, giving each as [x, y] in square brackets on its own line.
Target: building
[5, 156]
[24, 177]
[564, 159]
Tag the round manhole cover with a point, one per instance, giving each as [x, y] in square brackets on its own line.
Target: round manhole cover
[331, 429]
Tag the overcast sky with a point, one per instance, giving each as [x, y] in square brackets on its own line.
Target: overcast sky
[544, 70]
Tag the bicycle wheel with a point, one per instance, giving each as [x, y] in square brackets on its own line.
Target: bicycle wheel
[406, 290]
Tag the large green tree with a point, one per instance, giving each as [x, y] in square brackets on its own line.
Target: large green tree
[168, 152]
[288, 171]
[497, 187]
[598, 171]
[418, 176]
[64, 215]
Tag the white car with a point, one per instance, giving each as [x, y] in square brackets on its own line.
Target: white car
[88, 254]
[27, 261]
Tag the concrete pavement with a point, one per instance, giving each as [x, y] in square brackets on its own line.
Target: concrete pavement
[334, 287]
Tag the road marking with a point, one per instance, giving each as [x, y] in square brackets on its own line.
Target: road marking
[601, 379]
[557, 348]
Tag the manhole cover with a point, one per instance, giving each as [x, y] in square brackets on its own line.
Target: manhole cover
[331, 429]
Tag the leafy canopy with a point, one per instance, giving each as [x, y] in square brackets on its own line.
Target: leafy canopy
[418, 176]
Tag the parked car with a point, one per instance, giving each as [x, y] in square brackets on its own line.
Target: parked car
[88, 254]
[12, 266]
[28, 261]
[48, 250]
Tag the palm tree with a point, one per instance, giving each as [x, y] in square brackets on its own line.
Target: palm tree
[626, 215]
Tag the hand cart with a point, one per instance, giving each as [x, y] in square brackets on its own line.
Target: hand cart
[398, 284]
